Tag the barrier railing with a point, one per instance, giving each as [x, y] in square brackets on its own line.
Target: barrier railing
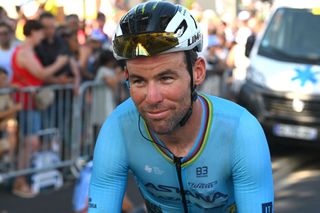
[56, 121]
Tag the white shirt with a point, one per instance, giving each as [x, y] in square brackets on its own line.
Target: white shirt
[5, 59]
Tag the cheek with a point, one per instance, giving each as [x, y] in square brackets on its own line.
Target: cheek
[137, 95]
[177, 93]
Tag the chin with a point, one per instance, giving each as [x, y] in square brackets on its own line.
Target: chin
[161, 127]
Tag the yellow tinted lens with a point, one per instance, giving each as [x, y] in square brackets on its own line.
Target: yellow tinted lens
[148, 44]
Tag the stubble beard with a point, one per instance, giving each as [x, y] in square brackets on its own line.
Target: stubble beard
[168, 125]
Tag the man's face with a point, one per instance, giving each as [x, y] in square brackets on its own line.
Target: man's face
[160, 88]
[37, 36]
[49, 25]
[5, 36]
[101, 22]
[73, 24]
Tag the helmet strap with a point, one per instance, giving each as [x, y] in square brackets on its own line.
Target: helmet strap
[194, 94]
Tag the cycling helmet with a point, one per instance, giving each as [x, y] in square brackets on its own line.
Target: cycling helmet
[156, 27]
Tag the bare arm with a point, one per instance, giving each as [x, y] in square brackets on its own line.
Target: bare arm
[27, 59]
[76, 73]
[230, 59]
[10, 112]
[84, 54]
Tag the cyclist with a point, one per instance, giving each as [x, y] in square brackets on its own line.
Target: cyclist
[189, 152]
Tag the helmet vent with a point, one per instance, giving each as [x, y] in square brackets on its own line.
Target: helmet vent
[164, 21]
[181, 28]
[142, 24]
[125, 27]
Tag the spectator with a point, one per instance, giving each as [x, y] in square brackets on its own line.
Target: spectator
[99, 26]
[215, 66]
[89, 53]
[51, 47]
[7, 46]
[104, 97]
[71, 39]
[5, 18]
[237, 60]
[255, 24]
[228, 32]
[73, 23]
[8, 123]
[244, 30]
[28, 71]
[108, 70]
[215, 55]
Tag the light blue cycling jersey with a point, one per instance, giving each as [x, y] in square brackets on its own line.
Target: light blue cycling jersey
[227, 170]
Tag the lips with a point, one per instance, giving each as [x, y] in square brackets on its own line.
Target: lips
[156, 115]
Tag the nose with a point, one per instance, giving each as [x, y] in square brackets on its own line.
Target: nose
[153, 95]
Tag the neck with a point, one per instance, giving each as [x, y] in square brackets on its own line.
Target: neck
[29, 42]
[181, 140]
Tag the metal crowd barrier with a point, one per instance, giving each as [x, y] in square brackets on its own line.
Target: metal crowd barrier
[217, 83]
[58, 122]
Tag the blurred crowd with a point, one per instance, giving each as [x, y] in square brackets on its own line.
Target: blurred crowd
[48, 54]
[73, 51]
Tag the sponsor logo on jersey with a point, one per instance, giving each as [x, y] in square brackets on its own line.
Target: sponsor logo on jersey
[267, 207]
[210, 185]
[202, 171]
[154, 169]
[91, 205]
[203, 198]
[152, 208]
[147, 168]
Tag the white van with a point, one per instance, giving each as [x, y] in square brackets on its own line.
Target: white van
[282, 87]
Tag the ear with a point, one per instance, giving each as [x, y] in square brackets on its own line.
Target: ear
[199, 71]
[126, 73]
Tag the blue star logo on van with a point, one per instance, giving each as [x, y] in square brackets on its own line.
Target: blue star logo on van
[306, 74]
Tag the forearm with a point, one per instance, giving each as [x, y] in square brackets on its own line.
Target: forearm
[52, 80]
[86, 74]
[74, 68]
[76, 72]
[50, 70]
[7, 113]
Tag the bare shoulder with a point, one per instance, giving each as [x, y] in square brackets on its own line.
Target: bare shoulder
[25, 57]
[25, 53]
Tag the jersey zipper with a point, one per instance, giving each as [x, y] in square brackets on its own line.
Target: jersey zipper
[177, 162]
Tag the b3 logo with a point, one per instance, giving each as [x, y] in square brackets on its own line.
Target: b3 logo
[202, 171]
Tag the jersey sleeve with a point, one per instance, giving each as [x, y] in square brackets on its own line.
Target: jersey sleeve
[251, 168]
[110, 170]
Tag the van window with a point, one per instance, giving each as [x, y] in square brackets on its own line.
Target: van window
[293, 36]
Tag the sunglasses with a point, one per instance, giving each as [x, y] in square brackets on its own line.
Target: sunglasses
[145, 44]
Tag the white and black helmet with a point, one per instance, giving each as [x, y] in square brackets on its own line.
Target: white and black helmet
[156, 27]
